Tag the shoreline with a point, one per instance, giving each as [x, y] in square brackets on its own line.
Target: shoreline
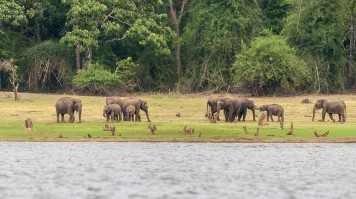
[229, 140]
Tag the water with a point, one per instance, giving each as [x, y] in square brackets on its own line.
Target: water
[177, 170]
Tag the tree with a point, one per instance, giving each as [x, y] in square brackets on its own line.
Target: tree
[176, 20]
[268, 66]
[316, 28]
[9, 65]
[214, 33]
[46, 66]
[98, 22]
[275, 12]
[351, 5]
[12, 14]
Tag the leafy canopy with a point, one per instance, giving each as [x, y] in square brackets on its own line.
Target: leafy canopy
[269, 65]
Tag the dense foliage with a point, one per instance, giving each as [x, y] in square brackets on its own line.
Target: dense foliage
[183, 45]
[269, 65]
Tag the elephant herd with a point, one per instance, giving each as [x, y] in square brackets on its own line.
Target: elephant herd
[116, 109]
[235, 108]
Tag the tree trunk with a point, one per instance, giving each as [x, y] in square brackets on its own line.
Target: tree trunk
[77, 56]
[16, 87]
[38, 32]
[351, 50]
[176, 21]
[88, 57]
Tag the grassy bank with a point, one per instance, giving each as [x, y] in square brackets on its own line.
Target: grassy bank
[162, 110]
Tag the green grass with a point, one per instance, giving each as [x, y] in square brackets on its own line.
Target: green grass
[162, 110]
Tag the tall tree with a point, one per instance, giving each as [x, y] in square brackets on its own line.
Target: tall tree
[12, 14]
[316, 29]
[176, 20]
[275, 13]
[104, 21]
[351, 5]
[214, 33]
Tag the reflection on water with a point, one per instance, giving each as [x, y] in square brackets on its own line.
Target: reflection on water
[177, 170]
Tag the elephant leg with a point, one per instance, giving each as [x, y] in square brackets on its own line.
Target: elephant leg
[58, 117]
[62, 117]
[331, 117]
[107, 117]
[323, 116]
[339, 117]
[112, 116]
[239, 116]
[226, 114]
[217, 118]
[244, 115]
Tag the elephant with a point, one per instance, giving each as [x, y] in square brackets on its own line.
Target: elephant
[139, 105]
[331, 107]
[113, 111]
[231, 106]
[114, 100]
[246, 104]
[273, 109]
[130, 113]
[68, 105]
[211, 105]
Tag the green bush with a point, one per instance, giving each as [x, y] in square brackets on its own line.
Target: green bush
[270, 66]
[96, 76]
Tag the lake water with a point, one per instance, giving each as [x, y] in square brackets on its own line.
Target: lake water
[177, 170]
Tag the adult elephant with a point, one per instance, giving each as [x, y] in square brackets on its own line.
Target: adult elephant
[211, 106]
[273, 109]
[138, 104]
[68, 105]
[231, 106]
[114, 100]
[331, 107]
[246, 104]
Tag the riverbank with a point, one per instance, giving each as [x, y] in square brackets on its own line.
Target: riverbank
[170, 113]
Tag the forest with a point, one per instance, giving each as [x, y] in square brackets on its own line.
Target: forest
[261, 47]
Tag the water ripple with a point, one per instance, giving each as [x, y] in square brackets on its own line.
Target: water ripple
[177, 170]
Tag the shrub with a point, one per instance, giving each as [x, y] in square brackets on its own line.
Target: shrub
[268, 66]
[96, 79]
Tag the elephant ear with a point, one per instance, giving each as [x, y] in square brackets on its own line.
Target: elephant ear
[143, 104]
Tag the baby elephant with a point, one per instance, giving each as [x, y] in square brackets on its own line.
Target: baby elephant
[130, 113]
[273, 109]
[113, 111]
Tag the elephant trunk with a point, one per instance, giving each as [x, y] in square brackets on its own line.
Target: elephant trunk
[104, 113]
[80, 114]
[313, 113]
[148, 118]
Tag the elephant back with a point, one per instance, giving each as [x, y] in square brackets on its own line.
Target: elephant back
[116, 108]
[114, 100]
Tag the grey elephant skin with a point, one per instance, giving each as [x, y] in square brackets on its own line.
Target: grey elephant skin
[138, 104]
[330, 107]
[231, 106]
[246, 104]
[273, 109]
[130, 113]
[68, 105]
[113, 112]
[114, 100]
[211, 105]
